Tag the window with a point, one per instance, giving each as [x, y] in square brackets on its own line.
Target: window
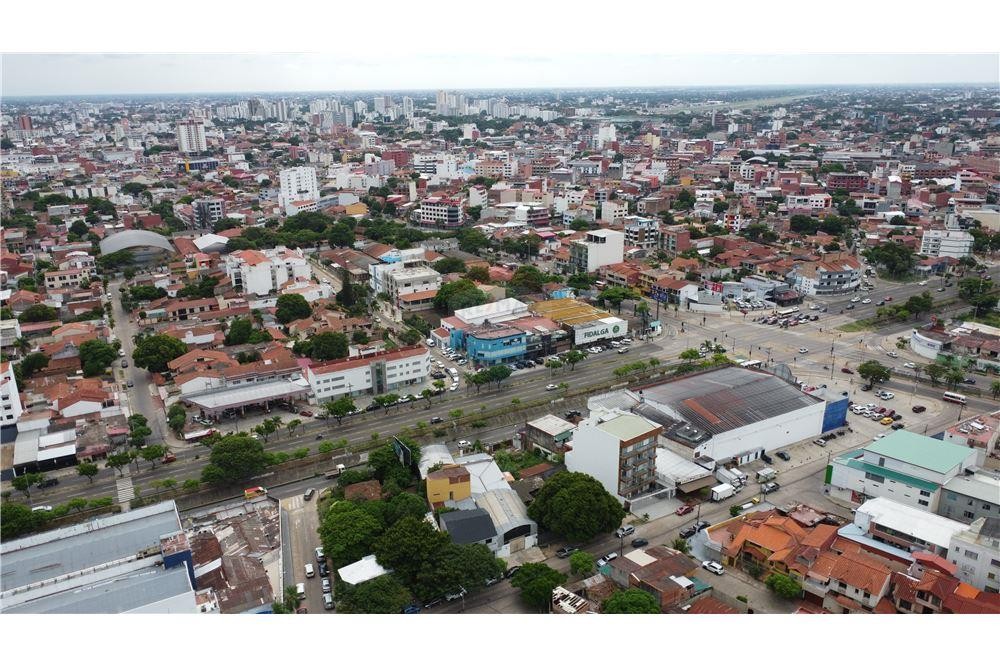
[923, 502]
[925, 494]
[971, 555]
[951, 496]
[968, 515]
[881, 461]
[994, 562]
[875, 478]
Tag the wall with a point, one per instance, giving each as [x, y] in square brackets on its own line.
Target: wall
[835, 415]
[772, 434]
[844, 480]
[597, 454]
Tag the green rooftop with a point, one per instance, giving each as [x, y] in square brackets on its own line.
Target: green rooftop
[627, 426]
[919, 450]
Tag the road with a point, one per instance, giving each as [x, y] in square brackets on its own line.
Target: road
[302, 522]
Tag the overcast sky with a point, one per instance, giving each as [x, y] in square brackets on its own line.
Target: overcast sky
[87, 74]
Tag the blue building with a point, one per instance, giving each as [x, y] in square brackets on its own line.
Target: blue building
[491, 344]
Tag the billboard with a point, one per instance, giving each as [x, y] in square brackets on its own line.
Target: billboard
[598, 330]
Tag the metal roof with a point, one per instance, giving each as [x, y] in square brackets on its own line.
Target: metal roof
[127, 592]
[920, 450]
[728, 398]
[361, 571]
[930, 528]
[248, 394]
[135, 238]
[468, 526]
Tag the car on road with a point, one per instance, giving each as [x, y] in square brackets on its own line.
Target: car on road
[309, 494]
[940, 289]
[820, 441]
[909, 364]
[783, 456]
[310, 570]
[551, 387]
[623, 350]
[566, 552]
[433, 602]
[856, 299]
[847, 370]
[684, 509]
[701, 525]
[607, 559]
[849, 306]
[46, 483]
[639, 542]
[803, 350]
[436, 420]
[464, 443]
[326, 585]
[866, 301]
[451, 597]
[713, 567]
[124, 363]
[324, 571]
[969, 381]
[885, 421]
[770, 487]
[320, 556]
[169, 458]
[491, 581]
[888, 298]
[511, 571]
[892, 355]
[624, 531]
[130, 384]
[411, 609]
[690, 531]
[305, 413]
[923, 283]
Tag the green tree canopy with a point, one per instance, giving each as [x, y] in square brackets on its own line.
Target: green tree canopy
[381, 595]
[17, 519]
[895, 259]
[631, 601]
[32, 363]
[873, 371]
[291, 307]
[581, 562]
[95, 356]
[154, 352]
[340, 408]
[536, 581]
[38, 312]
[784, 586]
[449, 265]
[459, 294]
[407, 545]
[348, 533]
[328, 345]
[576, 506]
[234, 458]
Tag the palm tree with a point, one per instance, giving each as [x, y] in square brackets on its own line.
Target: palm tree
[953, 377]
[292, 425]
[995, 388]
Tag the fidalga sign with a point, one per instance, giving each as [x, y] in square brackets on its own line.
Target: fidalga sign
[609, 327]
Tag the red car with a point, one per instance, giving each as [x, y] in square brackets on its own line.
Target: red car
[306, 413]
[888, 298]
[169, 458]
[847, 370]
[684, 509]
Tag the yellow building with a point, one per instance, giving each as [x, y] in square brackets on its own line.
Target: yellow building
[357, 208]
[452, 482]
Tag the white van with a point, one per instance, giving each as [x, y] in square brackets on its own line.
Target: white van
[310, 570]
[300, 590]
[431, 343]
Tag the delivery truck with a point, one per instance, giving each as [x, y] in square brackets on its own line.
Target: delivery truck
[722, 491]
[766, 475]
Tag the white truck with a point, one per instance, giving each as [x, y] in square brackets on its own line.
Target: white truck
[766, 475]
[722, 491]
[727, 476]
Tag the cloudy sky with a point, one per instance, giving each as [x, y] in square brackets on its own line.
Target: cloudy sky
[84, 74]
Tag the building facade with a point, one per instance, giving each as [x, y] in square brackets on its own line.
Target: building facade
[376, 373]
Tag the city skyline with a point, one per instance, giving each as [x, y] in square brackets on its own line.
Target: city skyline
[88, 74]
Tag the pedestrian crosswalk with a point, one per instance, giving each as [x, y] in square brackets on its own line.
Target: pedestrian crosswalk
[126, 491]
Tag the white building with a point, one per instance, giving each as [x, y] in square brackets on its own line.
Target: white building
[906, 467]
[191, 136]
[376, 373]
[441, 212]
[10, 400]
[835, 274]
[618, 449]
[904, 527]
[600, 248]
[976, 552]
[262, 272]
[613, 210]
[298, 184]
[419, 281]
[946, 243]
[398, 260]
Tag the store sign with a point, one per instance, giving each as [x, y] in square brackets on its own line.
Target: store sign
[600, 331]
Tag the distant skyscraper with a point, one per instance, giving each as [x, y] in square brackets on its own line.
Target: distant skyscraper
[297, 184]
[441, 103]
[24, 123]
[408, 107]
[381, 105]
[360, 108]
[191, 136]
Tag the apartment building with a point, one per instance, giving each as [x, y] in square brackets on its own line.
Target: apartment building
[946, 243]
[613, 210]
[967, 498]
[441, 212]
[835, 274]
[375, 373]
[209, 210]
[642, 232]
[976, 553]
[68, 278]
[191, 136]
[414, 288]
[618, 449]
[599, 248]
[298, 184]
[262, 272]
[10, 400]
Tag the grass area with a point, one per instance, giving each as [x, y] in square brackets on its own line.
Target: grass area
[858, 325]
[514, 462]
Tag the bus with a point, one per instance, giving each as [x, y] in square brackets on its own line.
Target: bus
[253, 492]
[752, 363]
[952, 397]
[788, 311]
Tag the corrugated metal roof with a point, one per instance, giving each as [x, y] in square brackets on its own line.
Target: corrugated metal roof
[729, 398]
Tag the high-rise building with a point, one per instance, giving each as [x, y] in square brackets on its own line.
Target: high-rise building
[408, 107]
[10, 400]
[381, 105]
[297, 184]
[209, 210]
[441, 103]
[24, 123]
[191, 136]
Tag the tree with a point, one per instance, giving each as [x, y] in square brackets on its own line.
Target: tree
[459, 294]
[239, 331]
[402, 505]
[479, 274]
[895, 259]
[153, 453]
[33, 363]
[873, 371]
[348, 533]
[16, 519]
[119, 461]
[381, 595]
[536, 581]
[581, 562]
[154, 352]
[340, 235]
[449, 265]
[23, 483]
[38, 312]
[631, 601]
[291, 307]
[690, 354]
[573, 357]
[328, 345]
[784, 586]
[176, 417]
[953, 377]
[616, 295]
[934, 372]
[340, 408]
[234, 458]
[918, 304]
[386, 466]
[995, 389]
[976, 293]
[407, 545]
[95, 356]
[576, 506]
[527, 280]
[498, 373]
[681, 545]
[88, 470]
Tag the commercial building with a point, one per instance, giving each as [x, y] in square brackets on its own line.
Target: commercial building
[599, 248]
[976, 553]
[133, 562]
[900, 530]
[549, 435]
[375, 373]
[413, 289]
[191, 136]
[297, 184]
[618, 449]
[209, 210]
[835, 274]
[588, 325]
[731, 414]
[450, 482]
[642, 232]
[262, 272]
[906, 467]
[967, 498]
[501, 332]
[946, 243]
[441, 212]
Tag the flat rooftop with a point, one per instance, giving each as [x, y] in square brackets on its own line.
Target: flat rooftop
[919, 450]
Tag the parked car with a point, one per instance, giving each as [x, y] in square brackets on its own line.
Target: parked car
[969, 381]
[690, 531]
[309, 494]
[701, 525]
[328, 601]
[897, 426]
[455, 595]
[320, 556]
[766, 459]
[305, 413]
[919, 408]
[411, 609]
[324, 571]
[624, 531]
[464, 443]
[326, 585]
[490, 581]
[885, 421]
[713, 567]
[684, 509]
[847, 370]
[310, 570]
[639, 542]
[566, 552]
[511, 571]
[436, 420]
[551, 387]
[770, 487]
[820, 441]
[783, 456]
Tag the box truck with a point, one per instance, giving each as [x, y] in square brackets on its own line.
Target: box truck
[722, 491]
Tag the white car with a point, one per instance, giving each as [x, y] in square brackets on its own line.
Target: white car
[856, 299]
[803, 350]
[713, 567]
[893, 355]
[909, 364]
[551, 387]
[923, 283]
[464, 443]
[866, 301]
[888, 396]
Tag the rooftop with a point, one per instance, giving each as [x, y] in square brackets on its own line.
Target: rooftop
[930, 528]
[552, 425]
[623, 425]
[920, 450]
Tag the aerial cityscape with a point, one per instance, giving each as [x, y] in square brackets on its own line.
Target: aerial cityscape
[571, 350]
